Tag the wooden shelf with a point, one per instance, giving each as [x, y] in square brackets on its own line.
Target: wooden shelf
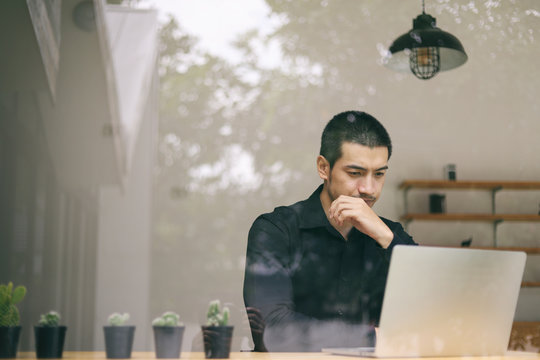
[471, 217]
[530, 284]
[470, 184]
[528, 250]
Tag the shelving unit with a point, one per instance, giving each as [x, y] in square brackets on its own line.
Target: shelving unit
[493, 186]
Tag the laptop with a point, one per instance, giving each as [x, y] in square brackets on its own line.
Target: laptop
[446, 302]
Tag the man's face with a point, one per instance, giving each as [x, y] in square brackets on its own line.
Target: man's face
[359, 172]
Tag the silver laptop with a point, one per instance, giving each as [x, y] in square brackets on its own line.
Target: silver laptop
[446, 302]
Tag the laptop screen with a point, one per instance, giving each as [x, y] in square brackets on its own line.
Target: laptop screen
[449, 302]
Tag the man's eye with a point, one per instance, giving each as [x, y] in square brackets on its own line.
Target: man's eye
[379, 174]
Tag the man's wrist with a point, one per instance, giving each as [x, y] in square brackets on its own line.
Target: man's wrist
[386, 239]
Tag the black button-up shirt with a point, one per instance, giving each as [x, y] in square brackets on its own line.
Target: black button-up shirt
[300, 270]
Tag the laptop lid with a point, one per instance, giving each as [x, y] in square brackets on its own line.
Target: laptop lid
[449, 302]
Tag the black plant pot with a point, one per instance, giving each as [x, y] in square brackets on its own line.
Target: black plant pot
[168, 341]
[9, 341]
[217, 341]
[119, 341]
[49, 341]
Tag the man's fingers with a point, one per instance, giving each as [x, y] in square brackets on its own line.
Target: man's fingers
[345, 203]
[337, 209]
[345, 215]
[350, 209]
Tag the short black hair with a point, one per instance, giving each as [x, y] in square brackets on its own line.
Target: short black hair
[355, 127]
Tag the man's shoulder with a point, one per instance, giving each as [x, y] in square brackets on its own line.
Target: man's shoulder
[282, 223]
[292, 218]
[285, 213]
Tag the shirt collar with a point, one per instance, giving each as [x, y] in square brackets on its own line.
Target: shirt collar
[312, 214]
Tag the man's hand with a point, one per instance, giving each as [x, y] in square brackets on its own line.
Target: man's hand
[356, 212]
[257, 325]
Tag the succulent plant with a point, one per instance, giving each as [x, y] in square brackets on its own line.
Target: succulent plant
[50, 319]
[216, 316]
[9, 298]
[168, 318]
[117, 319]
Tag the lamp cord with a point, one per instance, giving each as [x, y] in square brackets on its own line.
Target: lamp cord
[423, 7]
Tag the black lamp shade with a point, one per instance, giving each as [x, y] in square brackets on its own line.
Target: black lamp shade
[425, 34]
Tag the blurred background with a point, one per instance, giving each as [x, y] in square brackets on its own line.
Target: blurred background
[140, 139]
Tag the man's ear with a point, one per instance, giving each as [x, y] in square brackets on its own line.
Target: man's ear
[323, 167]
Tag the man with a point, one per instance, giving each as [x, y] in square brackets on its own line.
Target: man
[316, 270]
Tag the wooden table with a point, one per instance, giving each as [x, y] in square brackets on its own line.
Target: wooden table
[512, 355]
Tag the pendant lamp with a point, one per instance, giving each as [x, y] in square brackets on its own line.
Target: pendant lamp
[425, 50]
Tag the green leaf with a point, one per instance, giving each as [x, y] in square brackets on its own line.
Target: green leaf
[4, 295]
[18, 294]
[225, 319]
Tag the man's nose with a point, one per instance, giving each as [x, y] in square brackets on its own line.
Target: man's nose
[366, 185]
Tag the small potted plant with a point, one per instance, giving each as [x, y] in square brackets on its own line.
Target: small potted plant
[49, 336]
[10, 329]
[168, 332]
[217, 335]
[118, 336]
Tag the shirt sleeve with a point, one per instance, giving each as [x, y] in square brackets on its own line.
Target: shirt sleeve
[267, 283]
[400, 238]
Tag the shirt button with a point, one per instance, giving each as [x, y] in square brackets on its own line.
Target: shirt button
[340, 312]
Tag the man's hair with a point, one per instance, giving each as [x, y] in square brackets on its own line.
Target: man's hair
[356, 127]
